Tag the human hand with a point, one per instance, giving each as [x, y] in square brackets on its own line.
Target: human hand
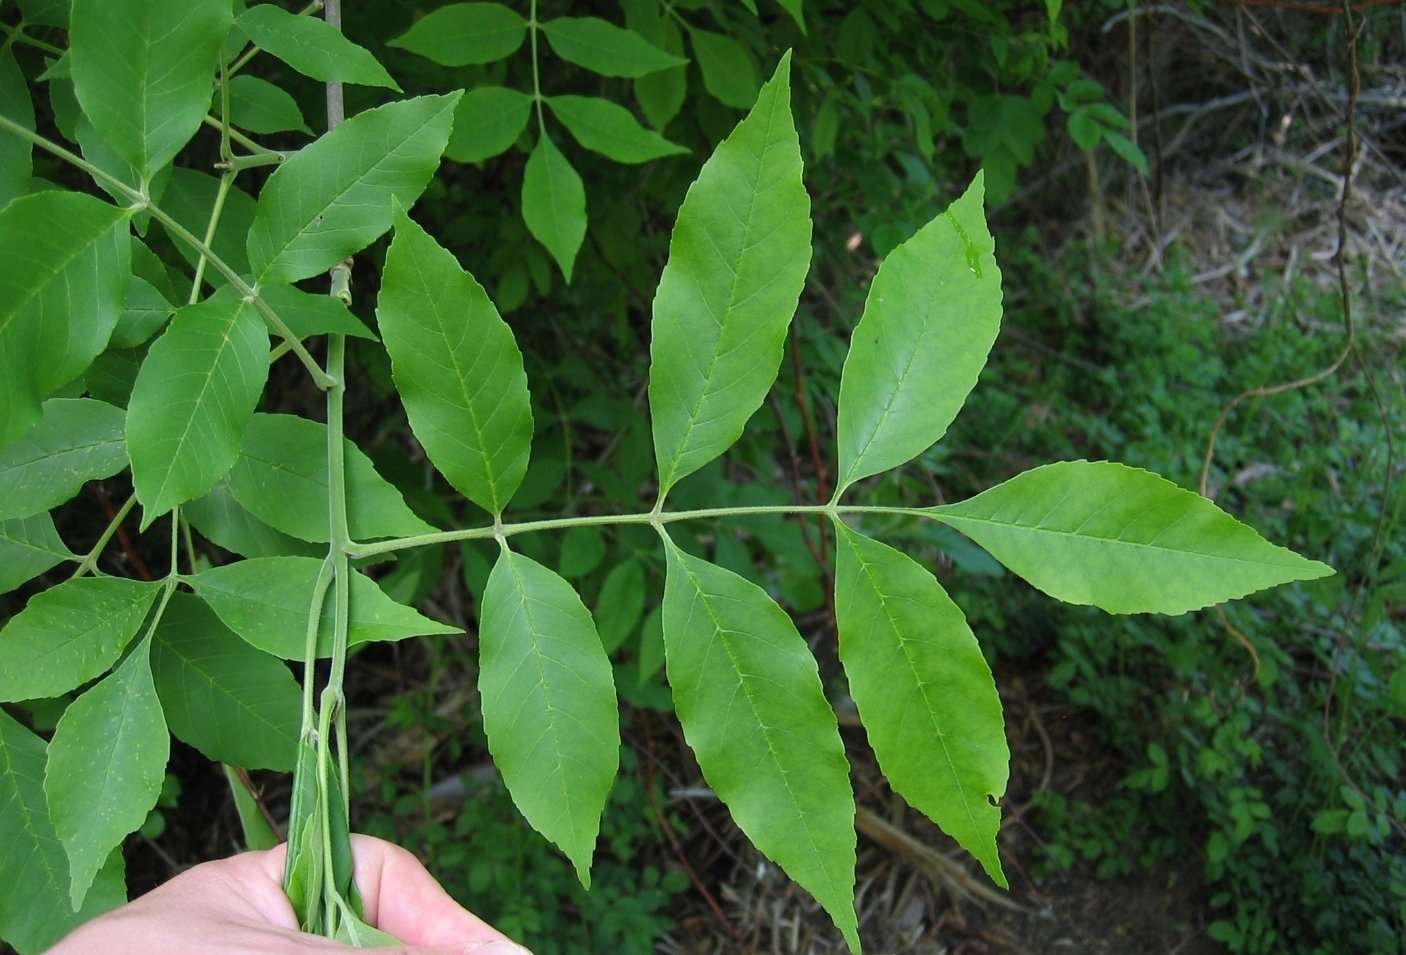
[236, 906]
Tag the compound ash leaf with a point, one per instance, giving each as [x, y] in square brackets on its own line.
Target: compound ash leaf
[33, 920]
[554, 203]
[924, 692]
[307, 314]
[604, 48]
[281, 479]
[1122, 539]
[29, 546]
[332, 198]
[549, 704]
[77, 440]
[68, 261]
[193, 400]
[729, 73]
[142, 72]
[258, 106]
[749, 696]
[465, 34]
[224, 521]
[457, 368]
[737, 262]
[70, 634]
[930, 320]
[235, 704]
[266, 600]
[16, 154]
[487, 121]
[106, 763]
[610, 129]
[312, 47]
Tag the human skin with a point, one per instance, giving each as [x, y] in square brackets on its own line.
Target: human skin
[236, 906]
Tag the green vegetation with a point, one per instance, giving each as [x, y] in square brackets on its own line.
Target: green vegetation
[646, 320]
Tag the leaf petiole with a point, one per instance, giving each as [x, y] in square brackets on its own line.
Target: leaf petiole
[655, 517]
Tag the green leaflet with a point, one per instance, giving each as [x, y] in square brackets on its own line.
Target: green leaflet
[193, 400]
[465, 34]
[605, 48]
[144, 310]
[582, 550]
[69, 634]
[142, 72]
[660, 94]
[34, 919]
[106, 763]
[307, 314]
[554, 203]
[266, 601]
[610, 129]
[753, 710]
[257, 106]
[29, 546]
[457, 368]
[312, 47]
[189, 198]
[487, 121]
[794, 7]
[728, 71]
[68, 260]
[16, 154]
[77, 440]
[651, 656]
[924, 692]
[281, 479]
[621, 603]
[1122, 539]
[332, 198]
[737, 262]
[219, 517]
[235, 704]
[258, 833]
[930, 319]
[549, 704]
[146, 265]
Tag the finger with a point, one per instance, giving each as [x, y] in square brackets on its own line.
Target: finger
[247, 887]
[401, 898]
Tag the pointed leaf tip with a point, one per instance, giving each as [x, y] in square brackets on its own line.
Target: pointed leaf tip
[930, 319]
[1122, 539]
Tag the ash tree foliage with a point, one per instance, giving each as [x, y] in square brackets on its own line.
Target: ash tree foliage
[200, 652]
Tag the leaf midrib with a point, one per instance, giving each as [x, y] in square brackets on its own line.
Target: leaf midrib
[190, 664]
[681, 448]
[956, 519]
[462, 382]
[553, 729]
[903, 642]
[197, 403]
[719, 632]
